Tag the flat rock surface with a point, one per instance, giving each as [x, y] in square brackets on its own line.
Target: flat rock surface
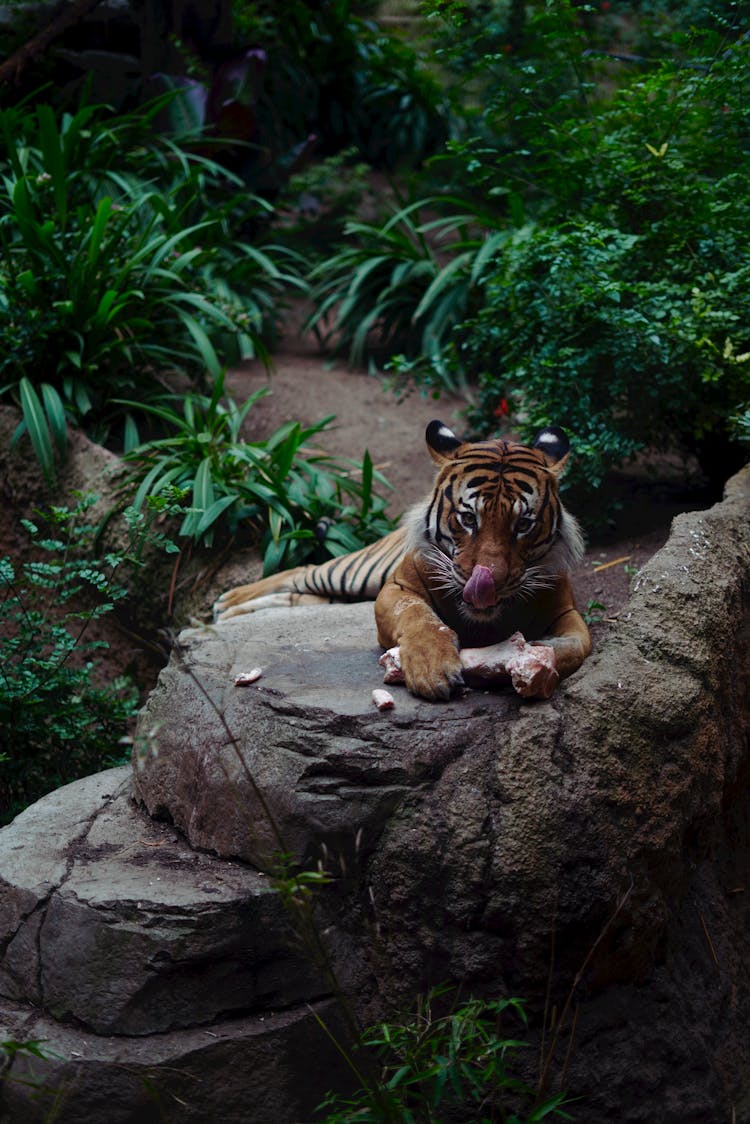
[302, 756]
[243, 1070]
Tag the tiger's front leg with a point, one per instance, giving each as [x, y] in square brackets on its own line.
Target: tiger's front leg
[429, 649]
[570, 640]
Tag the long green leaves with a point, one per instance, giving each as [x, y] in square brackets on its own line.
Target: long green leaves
[454, 1064]
[44, 421]
[403, 285]
[111, 274]
[301, 502]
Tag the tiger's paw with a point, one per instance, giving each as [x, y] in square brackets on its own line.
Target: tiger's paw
[432, 670]
[237, 603]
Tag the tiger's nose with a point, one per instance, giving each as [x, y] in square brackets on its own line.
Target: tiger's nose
[499, 570]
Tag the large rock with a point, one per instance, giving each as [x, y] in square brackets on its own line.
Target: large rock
[589, 853]
[273, 1067]
[484, 825]
[129, 931]
[302, 758]
[154, 975]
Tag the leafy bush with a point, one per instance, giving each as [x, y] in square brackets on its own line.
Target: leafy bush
[631, 327]
[569, 334]
[603, 282]
[105, 282]
[56, 723]
[303, 504]
[456, 1066]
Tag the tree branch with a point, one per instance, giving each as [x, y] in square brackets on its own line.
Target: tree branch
[10, 70]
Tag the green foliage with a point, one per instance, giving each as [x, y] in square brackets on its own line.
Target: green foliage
[631, 327]
[570, 334]
[741, 425]
[302, 502]
[602, 285]
[110, 275]
[391, 288]
[319, 200]
[56, 722]
[454, 1066]
[592, 614]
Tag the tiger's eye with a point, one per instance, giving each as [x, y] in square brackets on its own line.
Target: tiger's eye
[468, 520]
[524, 524]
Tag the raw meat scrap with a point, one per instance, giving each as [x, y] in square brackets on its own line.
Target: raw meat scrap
[245, 678]
[383, 699]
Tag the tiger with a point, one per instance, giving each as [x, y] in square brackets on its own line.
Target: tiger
[485, 555]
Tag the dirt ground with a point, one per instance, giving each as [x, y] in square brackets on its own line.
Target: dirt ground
[306, 387]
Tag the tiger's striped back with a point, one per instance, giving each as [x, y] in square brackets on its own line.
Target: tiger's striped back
[358, 576]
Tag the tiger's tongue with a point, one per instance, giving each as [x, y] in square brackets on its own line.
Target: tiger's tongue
[479, 590]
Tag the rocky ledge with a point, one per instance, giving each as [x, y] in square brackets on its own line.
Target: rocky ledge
[593, 848]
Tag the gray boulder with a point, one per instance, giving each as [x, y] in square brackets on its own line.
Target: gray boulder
[588, 853]
[483, 830]
[160, 981]
[301, 760]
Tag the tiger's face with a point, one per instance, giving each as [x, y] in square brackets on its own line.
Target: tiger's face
[494, 528]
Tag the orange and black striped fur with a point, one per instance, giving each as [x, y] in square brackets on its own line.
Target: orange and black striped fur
[485, 555]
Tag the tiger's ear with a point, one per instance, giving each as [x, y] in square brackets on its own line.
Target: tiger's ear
[554, 443]
[441, 441]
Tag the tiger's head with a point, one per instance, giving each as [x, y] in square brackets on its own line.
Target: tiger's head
[494, 528]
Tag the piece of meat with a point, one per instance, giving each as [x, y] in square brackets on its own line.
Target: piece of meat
[529, 667]
[383, 700]
[390, 661]
[245, 678]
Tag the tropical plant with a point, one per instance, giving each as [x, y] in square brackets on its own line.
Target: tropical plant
[455, 1066]
[57, 722]
[741, 424]
[301, 502]
[106, 283]
[403, 285]
[336, 74]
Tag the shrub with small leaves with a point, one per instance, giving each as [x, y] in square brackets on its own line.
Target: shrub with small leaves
[57, 723]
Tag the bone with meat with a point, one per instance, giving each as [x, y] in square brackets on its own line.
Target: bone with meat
[529, 667]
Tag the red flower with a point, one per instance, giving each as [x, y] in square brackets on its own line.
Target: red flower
[502, 409]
